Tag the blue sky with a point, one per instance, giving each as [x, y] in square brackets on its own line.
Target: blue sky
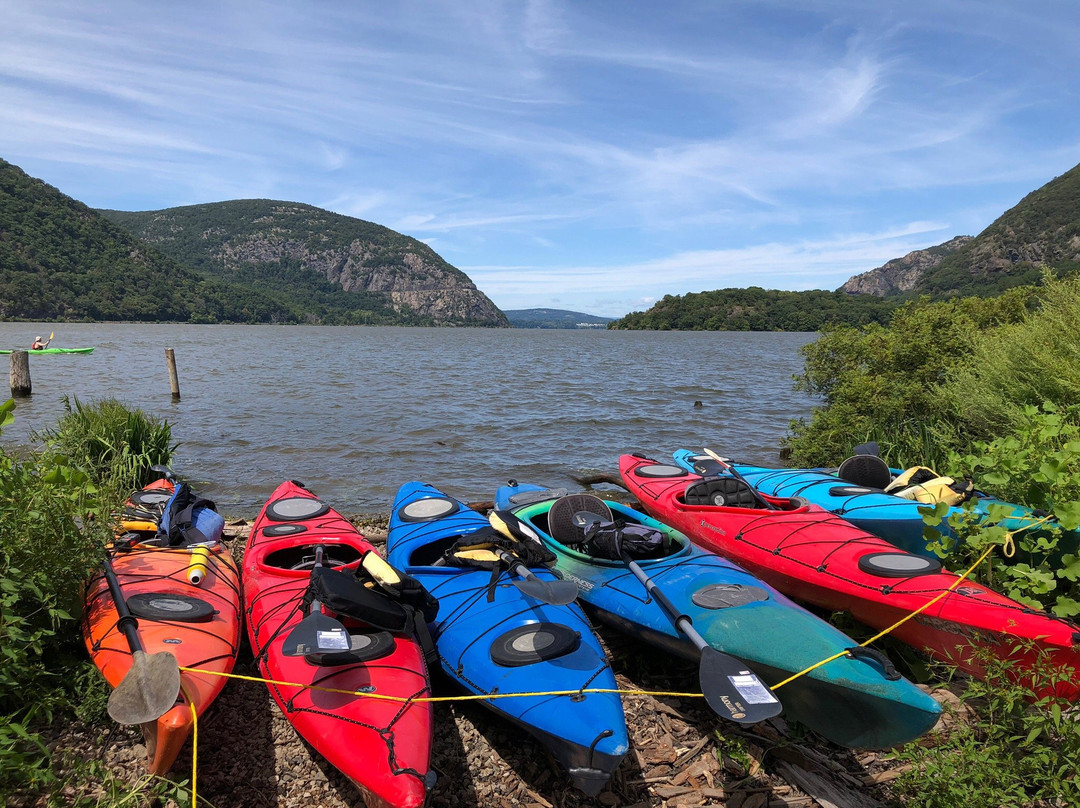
[583, 155]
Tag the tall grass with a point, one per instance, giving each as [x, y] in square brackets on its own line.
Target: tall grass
[115, 446]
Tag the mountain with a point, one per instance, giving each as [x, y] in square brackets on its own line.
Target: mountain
[1043, 229]
[307, 252]
[59, 260]
[554, 318]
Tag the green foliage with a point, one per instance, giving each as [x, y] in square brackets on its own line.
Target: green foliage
[757, 309]
[1004, 748]
[54, 528]
[1022, 364]
[884, 382]
[114, 445]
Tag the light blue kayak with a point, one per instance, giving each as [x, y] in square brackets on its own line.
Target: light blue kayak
[855, 701]
[893, 518]
[492, 638]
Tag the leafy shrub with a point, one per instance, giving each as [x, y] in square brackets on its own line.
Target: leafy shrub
[53, 533]
[1010, 750]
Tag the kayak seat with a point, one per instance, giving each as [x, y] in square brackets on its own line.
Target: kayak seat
[726, 491]
[561, 523]
[866, 470]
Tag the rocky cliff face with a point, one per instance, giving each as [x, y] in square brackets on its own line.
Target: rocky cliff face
[411, 281]
[902, 274]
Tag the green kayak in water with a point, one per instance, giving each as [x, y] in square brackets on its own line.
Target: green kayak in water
[54, 351]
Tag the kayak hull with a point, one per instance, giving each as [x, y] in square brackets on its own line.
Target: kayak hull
[382, 746]
[849, 701]
[895, 519]
[586, 733]
[209, 644]
[51, 351]
[818, 558]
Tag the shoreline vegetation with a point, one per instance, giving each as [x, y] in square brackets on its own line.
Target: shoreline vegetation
[987, 388]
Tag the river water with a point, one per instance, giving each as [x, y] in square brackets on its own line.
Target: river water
[353, 412]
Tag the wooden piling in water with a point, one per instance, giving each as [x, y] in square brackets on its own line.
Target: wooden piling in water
[174, 380]
[20, 374]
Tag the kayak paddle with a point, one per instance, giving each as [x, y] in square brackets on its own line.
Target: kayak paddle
[317, 633]
[731, 689]
[735, 473]
[151, 686]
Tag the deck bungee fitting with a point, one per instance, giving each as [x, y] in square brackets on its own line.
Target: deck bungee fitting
[495, 637]
[856, 700]
[157, 606]
[863, 501]
[301, 554]
[818, 558]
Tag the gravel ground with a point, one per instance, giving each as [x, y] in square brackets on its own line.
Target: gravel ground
[250, 757]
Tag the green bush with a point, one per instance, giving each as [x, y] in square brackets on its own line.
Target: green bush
[884, 383]
[1007, 750]
[54, 528]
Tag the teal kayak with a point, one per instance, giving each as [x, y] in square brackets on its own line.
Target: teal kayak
[491, 637]
[53, 351]
[857, 700]
[893, 518]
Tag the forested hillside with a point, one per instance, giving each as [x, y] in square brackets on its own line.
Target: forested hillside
[757, 309]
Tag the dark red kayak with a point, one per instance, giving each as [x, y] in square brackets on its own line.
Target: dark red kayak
[383, 746]
[816, 557]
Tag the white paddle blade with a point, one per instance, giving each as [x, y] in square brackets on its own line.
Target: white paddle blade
[148, 690]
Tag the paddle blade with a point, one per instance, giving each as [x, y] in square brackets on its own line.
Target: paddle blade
[556, 593]
[148, 691]
[316, 634]
[733, 691]
[868, 448]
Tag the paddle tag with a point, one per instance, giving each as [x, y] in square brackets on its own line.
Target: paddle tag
[333, 640]
[752, 689]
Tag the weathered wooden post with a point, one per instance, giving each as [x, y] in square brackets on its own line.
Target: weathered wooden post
[174, 380]
[20, 374]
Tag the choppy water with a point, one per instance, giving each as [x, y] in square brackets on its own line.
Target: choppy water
[354, 412]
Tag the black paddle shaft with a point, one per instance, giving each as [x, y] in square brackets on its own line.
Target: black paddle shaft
[127, 622]
[681, 621]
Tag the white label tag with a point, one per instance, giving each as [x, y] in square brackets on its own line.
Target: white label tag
[752, 689]
[333, 640]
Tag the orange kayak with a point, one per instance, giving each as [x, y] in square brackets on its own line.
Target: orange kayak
[198, 623]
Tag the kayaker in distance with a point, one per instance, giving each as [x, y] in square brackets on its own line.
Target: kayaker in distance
[39, 344]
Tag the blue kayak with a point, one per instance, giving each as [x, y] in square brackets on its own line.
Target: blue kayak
[856, 701]
[893, 518]
[492, 638]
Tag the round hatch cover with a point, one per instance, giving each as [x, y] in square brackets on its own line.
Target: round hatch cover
[424, 510]
[290, 509]
[364, 646]
[283, 529]
[660, 470]
[898, 565]
[167, 606]
[155, 496]
[533, 643]
[723, 596]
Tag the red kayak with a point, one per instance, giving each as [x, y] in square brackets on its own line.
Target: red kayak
[816, 557]
[383, 746]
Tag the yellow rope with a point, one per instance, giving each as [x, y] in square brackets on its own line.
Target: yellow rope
[435, 699]
[194, 745]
